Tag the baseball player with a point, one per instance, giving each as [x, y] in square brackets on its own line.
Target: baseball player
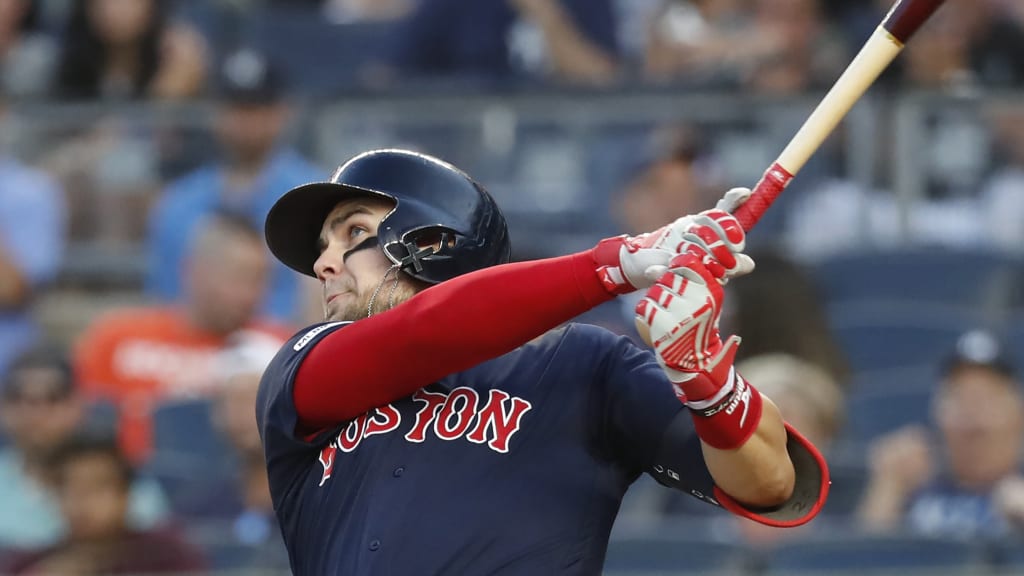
[441, 422]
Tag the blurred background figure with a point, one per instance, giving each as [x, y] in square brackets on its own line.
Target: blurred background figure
[27, 55]
[32, 237]
[792, 321]
[967, 44]
[1002, 196]
[571, 41]
[673, 176]
[93, 481]
[129, 50]
[769, 46]
[137, 358]
[255, 167]
[234, 495]
[346, 11]
[967, 480]
[40, 409]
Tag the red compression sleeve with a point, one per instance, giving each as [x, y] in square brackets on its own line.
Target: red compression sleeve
[445, 329]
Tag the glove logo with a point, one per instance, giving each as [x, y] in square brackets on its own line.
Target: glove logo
[740, 396]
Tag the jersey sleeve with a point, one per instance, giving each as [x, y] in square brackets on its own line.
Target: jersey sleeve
[646, 426]
[276, 415]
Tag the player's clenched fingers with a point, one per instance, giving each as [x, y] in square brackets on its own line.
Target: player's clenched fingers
[709, 241]
[696, 265]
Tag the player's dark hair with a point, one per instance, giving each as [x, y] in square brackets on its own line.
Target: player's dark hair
[88, 444]
[84, 56]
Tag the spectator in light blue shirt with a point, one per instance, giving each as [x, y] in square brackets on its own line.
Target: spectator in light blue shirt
[253, 171]
[40, 409]
[32, 235]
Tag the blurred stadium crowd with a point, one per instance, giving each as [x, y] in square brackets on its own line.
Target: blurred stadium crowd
[143, 141]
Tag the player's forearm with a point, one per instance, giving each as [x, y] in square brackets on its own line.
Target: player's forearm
[759, 472]
[443, 330]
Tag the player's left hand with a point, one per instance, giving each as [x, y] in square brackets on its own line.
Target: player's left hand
[680, 313]
[628, 263]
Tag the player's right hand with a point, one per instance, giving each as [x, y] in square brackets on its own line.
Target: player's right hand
[629, 263]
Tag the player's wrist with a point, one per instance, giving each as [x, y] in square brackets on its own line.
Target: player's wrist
[707, 376]
[730, 421]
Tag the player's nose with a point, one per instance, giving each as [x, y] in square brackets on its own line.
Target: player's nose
[330, 263]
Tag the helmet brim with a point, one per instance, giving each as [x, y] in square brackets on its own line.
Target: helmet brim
[293, 225]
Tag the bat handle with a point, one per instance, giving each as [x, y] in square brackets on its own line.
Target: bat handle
[772, 183]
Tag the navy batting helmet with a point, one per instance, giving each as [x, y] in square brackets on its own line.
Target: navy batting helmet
[436, 204]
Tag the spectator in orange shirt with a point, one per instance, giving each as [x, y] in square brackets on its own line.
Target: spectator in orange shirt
[140, 357]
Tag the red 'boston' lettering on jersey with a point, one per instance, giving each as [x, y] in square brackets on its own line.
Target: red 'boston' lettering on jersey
[327, 456]
[352, 434]
[385, 419]
[432, 402]
[454, 419]
[449, 415]
[496, 426]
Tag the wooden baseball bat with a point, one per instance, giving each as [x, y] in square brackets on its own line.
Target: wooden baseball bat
[887, 41]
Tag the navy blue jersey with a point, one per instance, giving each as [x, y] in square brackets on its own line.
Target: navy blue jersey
[515, 466]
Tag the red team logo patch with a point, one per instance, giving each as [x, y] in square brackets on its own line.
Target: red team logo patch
[462, 413]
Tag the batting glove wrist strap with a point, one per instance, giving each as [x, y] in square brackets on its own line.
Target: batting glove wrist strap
[729, 423]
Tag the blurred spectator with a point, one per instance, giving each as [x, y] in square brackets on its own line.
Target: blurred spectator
[139, 357]
[255, 169]
[40, 409]
[32, 236]
[93, 479]
[568, 40]
[27, 57]
[237, 492]
[672, 177]
[808, 397]
[128, 49]
[703, 41]
[806, 53]
[1003, 193]
[777, 309]
[772, 46]
[966, 43]
[346, 11]
[968, 483]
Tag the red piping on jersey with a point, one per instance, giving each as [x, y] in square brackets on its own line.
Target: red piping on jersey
[445, 329]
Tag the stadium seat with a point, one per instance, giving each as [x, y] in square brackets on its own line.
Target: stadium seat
[844, 494]
[666, 556]
[888, 335]
[856, 554]
[963, 279]
[873, 413]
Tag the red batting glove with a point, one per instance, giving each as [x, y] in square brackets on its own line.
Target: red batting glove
[628, 263]
[681, 311]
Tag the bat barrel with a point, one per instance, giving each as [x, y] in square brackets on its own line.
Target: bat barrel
[907, 16]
